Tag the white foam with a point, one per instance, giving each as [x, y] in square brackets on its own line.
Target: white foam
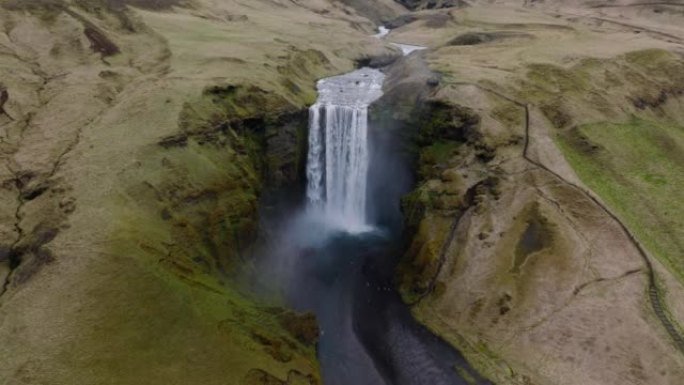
[407, 49]
[382, 32]
[337, 164]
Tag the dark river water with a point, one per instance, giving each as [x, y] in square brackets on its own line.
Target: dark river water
[368, 335]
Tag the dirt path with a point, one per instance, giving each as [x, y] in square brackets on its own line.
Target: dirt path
[655, 295]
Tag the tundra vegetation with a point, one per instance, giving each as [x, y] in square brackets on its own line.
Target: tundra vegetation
[544, 238]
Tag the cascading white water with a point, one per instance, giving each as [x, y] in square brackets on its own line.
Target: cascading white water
[337, 164]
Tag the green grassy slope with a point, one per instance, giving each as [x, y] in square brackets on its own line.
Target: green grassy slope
[637, 167]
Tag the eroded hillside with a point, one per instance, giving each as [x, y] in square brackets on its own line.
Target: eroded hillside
[548, 239]
[544, 238]
[136, 138]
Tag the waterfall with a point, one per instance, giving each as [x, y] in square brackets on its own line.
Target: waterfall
[337, 164]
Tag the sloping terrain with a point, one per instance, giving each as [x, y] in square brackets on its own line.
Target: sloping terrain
[544, 239]
[136, 137]
[547, 240]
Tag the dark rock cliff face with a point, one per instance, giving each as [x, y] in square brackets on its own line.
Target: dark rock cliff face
[286, 148]
[265, 139]
[431, 4]
[377, 11]
[436, 135]
[447, 134]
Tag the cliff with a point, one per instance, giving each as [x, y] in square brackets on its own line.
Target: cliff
[136, 139]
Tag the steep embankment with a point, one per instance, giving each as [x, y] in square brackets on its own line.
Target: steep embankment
[545, 270]
[136, 137]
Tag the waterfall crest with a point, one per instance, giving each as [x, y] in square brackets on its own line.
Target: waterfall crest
[337, 164]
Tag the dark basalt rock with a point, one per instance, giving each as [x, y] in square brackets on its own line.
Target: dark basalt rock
[303, 327]
[401, 21]
[286, 149]
[431, 4]
[148, 4]
[99, 42]
[432, 20]
[442, 121]
[475, 38]
[4, 97]
[376, 61]
[5, 251]
[376, 11]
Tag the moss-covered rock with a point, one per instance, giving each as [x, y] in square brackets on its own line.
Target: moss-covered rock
[445, 135]
[444, 121]
[301, 326]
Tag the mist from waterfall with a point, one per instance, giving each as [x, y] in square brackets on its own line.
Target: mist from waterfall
[337, 164]
[337, 256]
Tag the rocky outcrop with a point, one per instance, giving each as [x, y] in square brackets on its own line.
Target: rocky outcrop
[379, 11]
[475, 38]
[286, 149]
[431, 4]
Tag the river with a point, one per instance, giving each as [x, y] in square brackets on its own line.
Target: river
[336, 254]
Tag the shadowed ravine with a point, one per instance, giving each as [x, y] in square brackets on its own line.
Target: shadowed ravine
[336, 256]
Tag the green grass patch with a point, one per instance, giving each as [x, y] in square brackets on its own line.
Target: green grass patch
[435, 156]
[637, 168]
[558, 79]
[465, 375]
[440, 151]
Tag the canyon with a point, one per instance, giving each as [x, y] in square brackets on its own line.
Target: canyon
[275, 192]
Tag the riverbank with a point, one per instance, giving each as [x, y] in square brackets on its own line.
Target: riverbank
[138, 137]
[336, 254]
[526, 273]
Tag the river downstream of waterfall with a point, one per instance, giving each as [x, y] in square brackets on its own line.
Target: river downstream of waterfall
[336, 258]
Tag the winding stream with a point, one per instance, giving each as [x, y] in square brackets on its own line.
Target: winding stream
[406, 49]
